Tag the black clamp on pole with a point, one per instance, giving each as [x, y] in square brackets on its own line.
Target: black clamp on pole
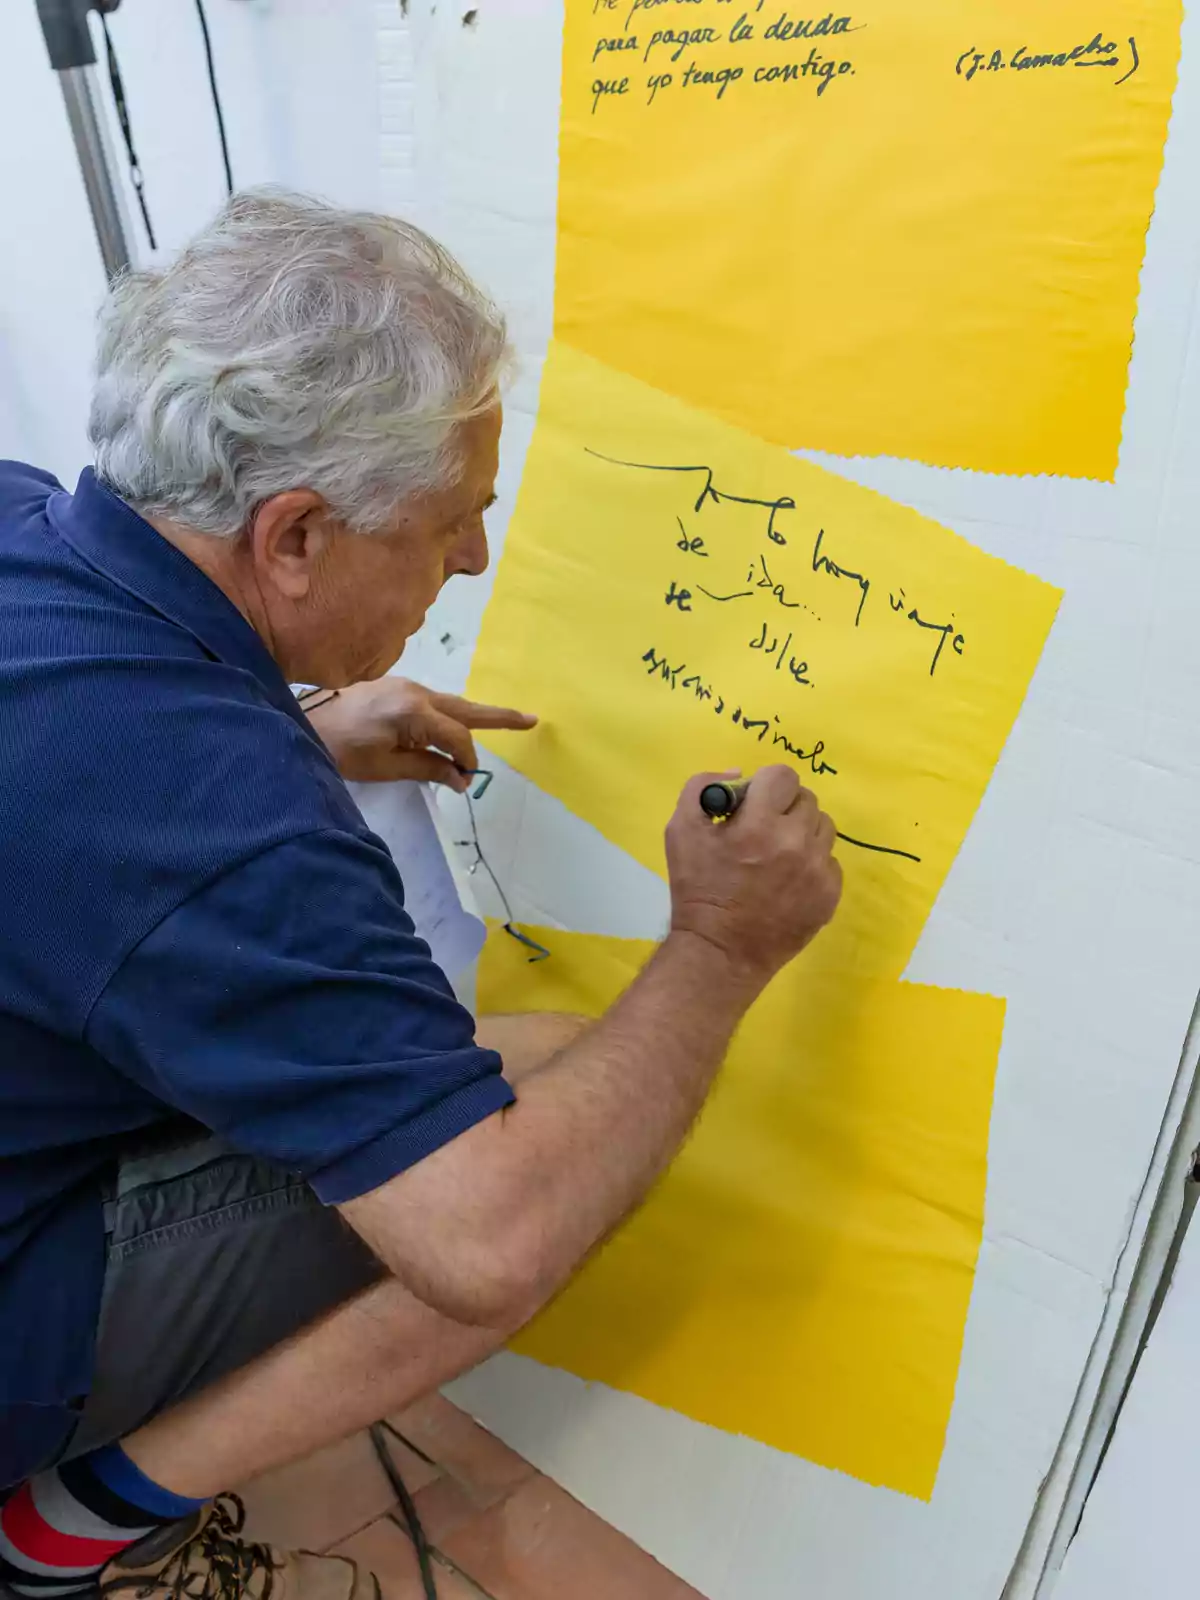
[68, 38]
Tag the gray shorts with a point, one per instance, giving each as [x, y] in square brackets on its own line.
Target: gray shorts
[213, 1258]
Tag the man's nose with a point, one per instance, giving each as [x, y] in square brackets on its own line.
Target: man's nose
[470, 553]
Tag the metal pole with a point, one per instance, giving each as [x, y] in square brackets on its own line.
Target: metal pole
[78, 87]
[69, 41]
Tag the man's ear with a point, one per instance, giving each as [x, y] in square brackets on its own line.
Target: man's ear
[289, 534]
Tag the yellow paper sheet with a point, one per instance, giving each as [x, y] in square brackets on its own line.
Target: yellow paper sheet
[802, 1275]
[676, 596]
[900, 229]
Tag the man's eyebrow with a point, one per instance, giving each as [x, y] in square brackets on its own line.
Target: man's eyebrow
[476, 511]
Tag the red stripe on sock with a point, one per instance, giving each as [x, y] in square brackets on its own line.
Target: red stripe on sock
[31, 1535]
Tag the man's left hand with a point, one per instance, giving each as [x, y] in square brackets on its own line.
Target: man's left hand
[390, 729]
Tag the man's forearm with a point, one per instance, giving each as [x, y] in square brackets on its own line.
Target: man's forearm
[606, 1115]
[498, 1219]
[527, 1040]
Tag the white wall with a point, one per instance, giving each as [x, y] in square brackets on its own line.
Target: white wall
[300, 82]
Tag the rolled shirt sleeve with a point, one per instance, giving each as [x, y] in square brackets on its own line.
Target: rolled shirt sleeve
[290, 1007]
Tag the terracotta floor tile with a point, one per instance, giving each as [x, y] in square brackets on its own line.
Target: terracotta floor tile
[446, 1504]
[461, 1447]
[313, 1503]
[384, 1550]
[540, 1544]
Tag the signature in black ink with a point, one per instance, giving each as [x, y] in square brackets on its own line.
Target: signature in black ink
[1098, 52]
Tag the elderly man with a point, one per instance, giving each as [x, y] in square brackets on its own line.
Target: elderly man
[261, 1180]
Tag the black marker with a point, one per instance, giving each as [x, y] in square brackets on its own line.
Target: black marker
[720, 800]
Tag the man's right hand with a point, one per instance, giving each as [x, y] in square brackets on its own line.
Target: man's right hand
[760, 886]
[489, 1226]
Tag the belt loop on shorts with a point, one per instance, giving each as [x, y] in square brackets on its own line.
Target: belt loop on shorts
[109, 1179]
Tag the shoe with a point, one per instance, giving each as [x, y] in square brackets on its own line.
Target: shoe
[205, 1558]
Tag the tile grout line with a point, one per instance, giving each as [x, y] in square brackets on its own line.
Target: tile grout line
[350, 1534]
[439, 1556]
[445, 1471]
[448, 1473]
[445, 1561]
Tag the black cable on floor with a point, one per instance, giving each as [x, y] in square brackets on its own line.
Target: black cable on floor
[216, 94]
[415, 1531]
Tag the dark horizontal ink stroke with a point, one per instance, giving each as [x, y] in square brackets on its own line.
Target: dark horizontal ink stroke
[709, 491]
[744, 594]
[654, 466]
[879, 849]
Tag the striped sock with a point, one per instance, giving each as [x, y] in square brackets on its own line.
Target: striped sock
[61, 1528]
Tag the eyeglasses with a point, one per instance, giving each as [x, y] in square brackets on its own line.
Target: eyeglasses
[540, 953]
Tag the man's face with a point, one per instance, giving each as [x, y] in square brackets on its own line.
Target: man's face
[370, 592]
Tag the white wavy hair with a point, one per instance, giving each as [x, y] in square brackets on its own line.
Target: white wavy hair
[291, 345]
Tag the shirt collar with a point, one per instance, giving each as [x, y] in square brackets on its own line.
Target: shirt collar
[111, 537]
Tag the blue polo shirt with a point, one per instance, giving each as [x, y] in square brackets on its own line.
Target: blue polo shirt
[194, 918]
